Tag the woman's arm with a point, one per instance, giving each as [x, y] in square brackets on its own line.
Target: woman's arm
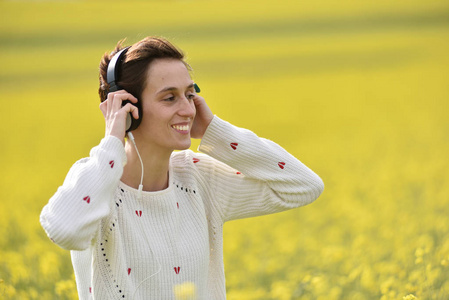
[72, 216]
[251, 176]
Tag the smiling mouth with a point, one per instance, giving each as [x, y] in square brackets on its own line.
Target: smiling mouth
[183, 128]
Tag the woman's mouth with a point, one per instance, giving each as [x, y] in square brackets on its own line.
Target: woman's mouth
[181, 128]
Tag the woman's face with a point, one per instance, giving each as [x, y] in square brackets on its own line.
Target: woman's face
[167, 104]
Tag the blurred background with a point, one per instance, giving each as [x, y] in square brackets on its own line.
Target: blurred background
[357, 90]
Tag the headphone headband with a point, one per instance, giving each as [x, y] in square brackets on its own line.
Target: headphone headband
[113, 70]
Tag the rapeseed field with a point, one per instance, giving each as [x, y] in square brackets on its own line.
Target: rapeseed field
[357, 90]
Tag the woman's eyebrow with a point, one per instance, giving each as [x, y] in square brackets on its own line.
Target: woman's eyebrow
[172, 88]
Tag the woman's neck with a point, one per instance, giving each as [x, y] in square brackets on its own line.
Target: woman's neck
[156, 166]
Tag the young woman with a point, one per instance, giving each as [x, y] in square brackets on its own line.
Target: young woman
[141, 219]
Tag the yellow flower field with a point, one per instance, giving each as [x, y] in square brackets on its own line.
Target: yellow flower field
[358, 91]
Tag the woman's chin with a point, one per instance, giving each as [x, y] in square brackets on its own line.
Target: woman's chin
[184, 146]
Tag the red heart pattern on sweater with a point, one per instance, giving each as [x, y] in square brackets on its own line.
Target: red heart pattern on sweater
[234, 146]
[139, 213]
[129, 271]
[177, 269]
[111, 163]
[87, 199]
[195, 160]
[281, 165]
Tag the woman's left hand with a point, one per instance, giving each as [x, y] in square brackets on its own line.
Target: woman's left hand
[202, 119]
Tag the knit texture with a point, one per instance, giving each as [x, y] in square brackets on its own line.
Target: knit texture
[130, 247]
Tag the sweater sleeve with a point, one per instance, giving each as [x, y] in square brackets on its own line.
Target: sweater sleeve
[251, 176]
[72, 216]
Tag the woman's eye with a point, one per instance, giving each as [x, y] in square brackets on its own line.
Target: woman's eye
[190, 96]
[172, 98]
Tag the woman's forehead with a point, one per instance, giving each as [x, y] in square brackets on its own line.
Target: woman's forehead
[167, 67]
[168, 73]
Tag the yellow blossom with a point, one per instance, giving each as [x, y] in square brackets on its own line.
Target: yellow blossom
[367, 112]
[185, 291]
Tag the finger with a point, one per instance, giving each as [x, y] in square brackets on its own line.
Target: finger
[104, 108]
[131, 109]
[129, 96]
[124, 95]
[204, 114]
[120, 96]
[200, 103]
[116, 102]
[109, 101]
[135, 112]
[198, 99]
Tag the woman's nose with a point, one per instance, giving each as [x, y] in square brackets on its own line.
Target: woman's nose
[187, 108]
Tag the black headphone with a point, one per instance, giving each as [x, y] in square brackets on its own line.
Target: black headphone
[112, 77]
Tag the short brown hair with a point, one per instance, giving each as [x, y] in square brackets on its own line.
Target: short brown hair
[135, 64]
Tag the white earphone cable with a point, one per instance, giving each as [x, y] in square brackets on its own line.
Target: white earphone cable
[130, 135]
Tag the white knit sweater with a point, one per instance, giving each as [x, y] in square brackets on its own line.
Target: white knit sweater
[127, 247]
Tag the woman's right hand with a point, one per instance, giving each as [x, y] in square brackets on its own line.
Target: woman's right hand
[115, 115]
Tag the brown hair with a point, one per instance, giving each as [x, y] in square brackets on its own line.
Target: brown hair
[135, 64]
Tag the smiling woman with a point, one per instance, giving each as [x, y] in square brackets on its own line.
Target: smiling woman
[168, 107]
[150, 239]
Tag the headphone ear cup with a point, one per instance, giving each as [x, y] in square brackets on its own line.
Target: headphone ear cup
[131, 123]
[112, 76]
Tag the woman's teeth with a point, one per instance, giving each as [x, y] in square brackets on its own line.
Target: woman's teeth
[181, 127]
